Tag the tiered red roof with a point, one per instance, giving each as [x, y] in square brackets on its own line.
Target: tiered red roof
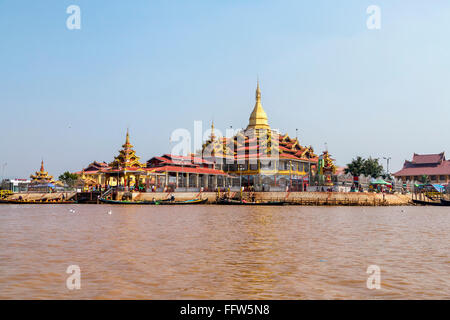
[428, 158]
[127, 158]
[94, 167]
[198, 170]
[425, 164]
[253, 144]
[174, 163]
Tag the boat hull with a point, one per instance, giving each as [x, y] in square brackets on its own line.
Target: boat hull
[239, 203]
[187, 202]
[124, 202]
[428, 203]
[35, 202]
[157, 202]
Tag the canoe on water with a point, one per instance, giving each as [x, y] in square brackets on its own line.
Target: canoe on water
[428, 203]
[156, 202]
[246, 203]
[125, 201]
[192, 201]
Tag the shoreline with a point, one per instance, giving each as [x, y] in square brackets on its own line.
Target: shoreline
[293, 198]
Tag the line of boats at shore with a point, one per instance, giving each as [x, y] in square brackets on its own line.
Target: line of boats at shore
[197, 201]
[170, 201]
[228, 199]
[441, 202]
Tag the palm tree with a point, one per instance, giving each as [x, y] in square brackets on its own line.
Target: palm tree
[356, 167]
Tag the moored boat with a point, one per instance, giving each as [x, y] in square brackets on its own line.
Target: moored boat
[154, 202]
[192, 201]
[445, 202]
[247, 203]
[108, 201]
[428, 203]
[37, 201]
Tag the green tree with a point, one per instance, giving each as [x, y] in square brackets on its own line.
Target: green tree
[356, 167]
[425, 179]
[68, 178]
[369, 167]
[373, 168]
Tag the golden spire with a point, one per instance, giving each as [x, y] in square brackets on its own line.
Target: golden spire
[41, 175]
[127, 141]
[213, 136]
[127, 156]
[258, 92]
[258, 118]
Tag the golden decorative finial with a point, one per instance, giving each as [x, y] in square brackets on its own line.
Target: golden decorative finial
[258, 91]
[258, 117]
[42, 165]
[127, 141]
[213, 137]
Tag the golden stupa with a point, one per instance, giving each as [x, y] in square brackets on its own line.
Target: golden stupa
[258, 117]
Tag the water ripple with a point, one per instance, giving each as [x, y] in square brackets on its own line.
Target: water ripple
[219, 252]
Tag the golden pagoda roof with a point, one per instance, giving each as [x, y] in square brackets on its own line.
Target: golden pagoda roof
[258, 117]
[41, 174]
[216, 146]
[127, 157]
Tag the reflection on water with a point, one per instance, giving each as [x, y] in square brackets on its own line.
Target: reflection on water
[220, 252]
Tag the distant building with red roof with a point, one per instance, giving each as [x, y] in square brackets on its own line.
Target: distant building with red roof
[188, 172]
[435, 166]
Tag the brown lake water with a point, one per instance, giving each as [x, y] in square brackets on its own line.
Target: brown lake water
[224, 252]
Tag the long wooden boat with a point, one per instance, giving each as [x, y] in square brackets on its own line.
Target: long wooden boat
[428, 203]
[246, 203]
[156, 202]
[36, 202]
[192, 201]
[125, 201]
[445, 202]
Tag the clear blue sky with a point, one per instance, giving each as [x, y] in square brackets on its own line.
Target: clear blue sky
[68, 96]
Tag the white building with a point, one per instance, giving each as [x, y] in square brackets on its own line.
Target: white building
[16, 185]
